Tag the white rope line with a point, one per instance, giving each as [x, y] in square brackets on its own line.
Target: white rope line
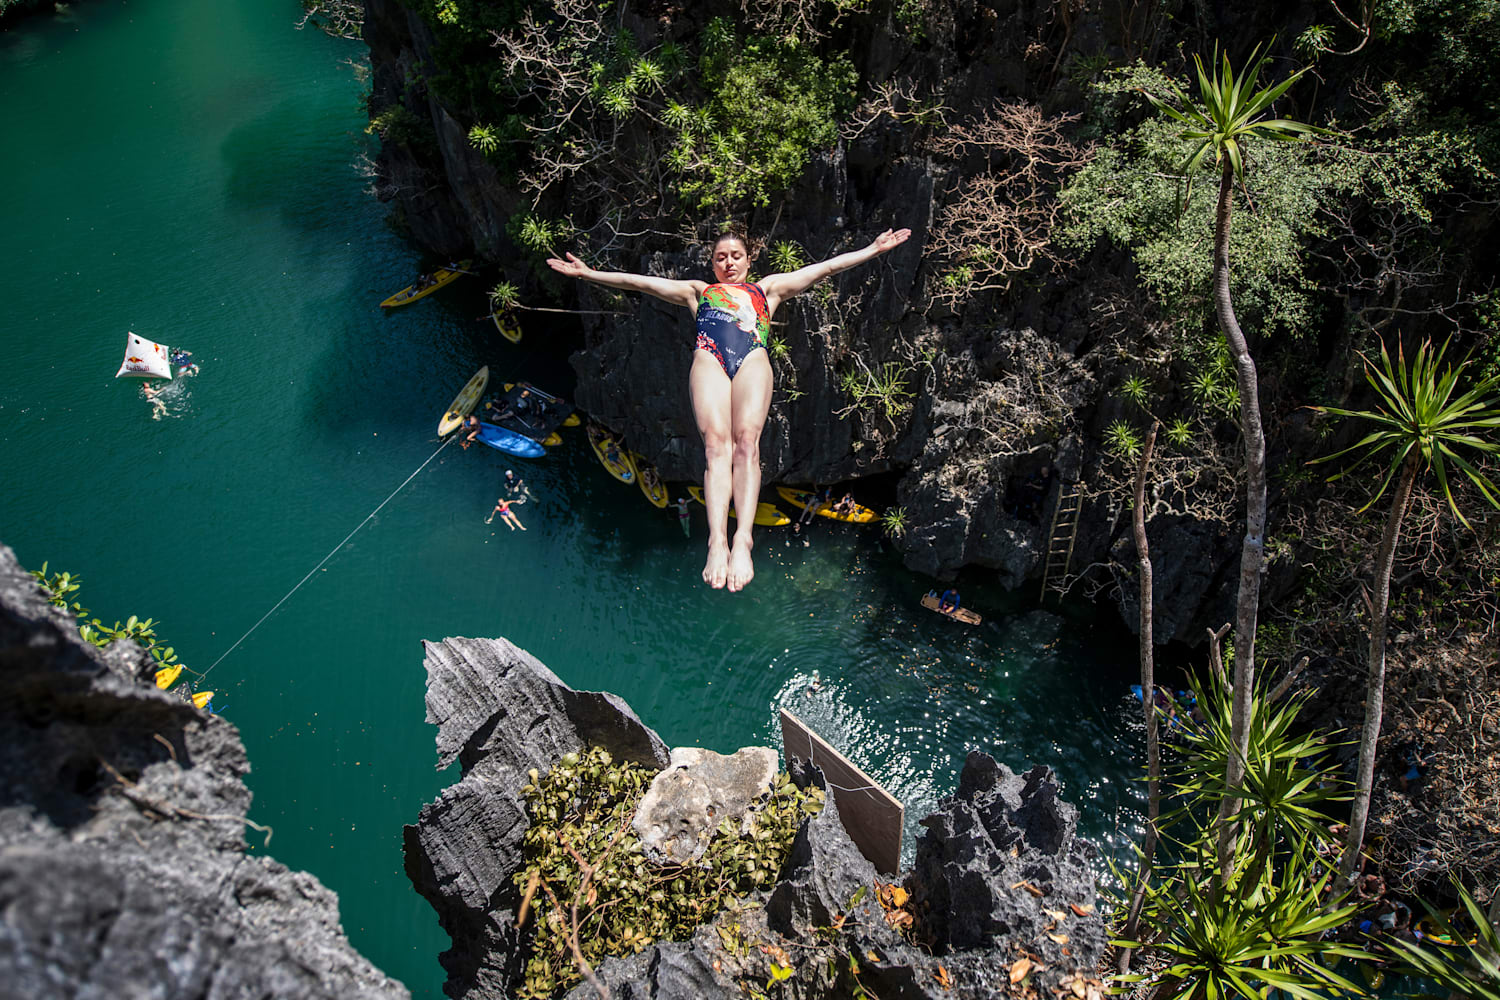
[329, 556]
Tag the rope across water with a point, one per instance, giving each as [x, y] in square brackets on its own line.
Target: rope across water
[449, 440]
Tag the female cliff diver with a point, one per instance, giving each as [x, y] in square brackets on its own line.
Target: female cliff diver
[730, 380]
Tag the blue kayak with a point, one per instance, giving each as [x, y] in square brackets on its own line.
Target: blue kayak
[510, 442]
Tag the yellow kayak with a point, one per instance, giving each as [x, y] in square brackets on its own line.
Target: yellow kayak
[464, 402]
[610, 456]
[765, 513]
[651, 483]
[508, 327]
[411, 293]
[804, 498]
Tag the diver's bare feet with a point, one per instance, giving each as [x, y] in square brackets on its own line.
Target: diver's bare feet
[716, 570]
[741, 568]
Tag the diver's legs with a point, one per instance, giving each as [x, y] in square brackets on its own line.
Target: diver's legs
[710, 389]
[750, 401]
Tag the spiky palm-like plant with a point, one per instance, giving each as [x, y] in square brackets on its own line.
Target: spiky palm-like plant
[1230, 113]
[1420, 425]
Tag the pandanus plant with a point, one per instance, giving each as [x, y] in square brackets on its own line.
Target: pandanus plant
[1229, 116]
[1421, 424]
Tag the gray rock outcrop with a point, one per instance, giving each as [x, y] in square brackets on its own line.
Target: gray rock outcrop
[999, 875]
[698, 790]
[123, 870]
[499, 713]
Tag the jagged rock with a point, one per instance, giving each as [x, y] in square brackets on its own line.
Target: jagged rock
[699, 790]
[1003, 830]
[123, 870]
[499, 713]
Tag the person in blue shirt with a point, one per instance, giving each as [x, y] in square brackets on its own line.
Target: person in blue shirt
[949, 601]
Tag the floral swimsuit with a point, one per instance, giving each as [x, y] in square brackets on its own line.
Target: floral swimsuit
[733, 320]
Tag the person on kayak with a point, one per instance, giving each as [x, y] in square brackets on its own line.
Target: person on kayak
[472, 425]
[731, 380]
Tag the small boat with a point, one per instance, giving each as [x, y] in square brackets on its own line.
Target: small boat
[767, 514]
[931, 602]
[507, 325]
[510, 442]
[619, 465]
[803, 499]
[651, 484]
[463, 404]
[442, 276]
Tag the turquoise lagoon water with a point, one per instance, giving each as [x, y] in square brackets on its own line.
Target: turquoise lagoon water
[193, 172]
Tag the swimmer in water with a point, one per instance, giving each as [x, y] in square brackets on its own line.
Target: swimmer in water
[731, 380]
[153, 396]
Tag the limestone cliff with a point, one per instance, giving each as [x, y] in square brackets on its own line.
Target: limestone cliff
[1000, 876]
[123, 864]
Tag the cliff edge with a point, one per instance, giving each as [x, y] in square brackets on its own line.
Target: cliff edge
[123, 865]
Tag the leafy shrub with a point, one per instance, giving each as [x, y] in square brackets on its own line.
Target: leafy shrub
[581, 851]
[726, 153]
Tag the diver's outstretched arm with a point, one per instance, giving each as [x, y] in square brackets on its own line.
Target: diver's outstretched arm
[680, 293]
[779, 287]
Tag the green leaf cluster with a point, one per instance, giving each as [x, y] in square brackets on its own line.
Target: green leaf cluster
[885, 390]
[1129, 196]
[770, 102]
[60, 588]
[1421, 417]
[581, 851]
[1267, 925]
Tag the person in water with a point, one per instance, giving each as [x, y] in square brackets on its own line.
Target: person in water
[683, 516]
[153, 396]
[503, 508]
[731, 380]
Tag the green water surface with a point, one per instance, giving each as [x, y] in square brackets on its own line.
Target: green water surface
[193, 172]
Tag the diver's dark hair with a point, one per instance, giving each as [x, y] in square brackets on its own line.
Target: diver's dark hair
[731, 235]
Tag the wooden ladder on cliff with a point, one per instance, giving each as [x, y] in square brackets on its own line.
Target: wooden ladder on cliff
[1060, 538]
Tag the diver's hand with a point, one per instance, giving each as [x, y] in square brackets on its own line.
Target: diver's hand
[572, 267]
[889, 240]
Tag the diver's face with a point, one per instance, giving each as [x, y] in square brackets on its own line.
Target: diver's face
[731, 261]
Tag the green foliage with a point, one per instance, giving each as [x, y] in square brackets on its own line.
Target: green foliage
[1122, 440]
[1267, 927]
[504, 295]
[1180, 433]
[1129, 196]
[1136, 389]
[883, 390]
[540, 236]
[1265, 930]
[726, 152]
[894, 521]
[60, 588]
[1230, 112]
[485, 138]
[397, 126]
[1471, 966]
[1286, 786]
[786, 255]
[581, 851]
[1418, 416]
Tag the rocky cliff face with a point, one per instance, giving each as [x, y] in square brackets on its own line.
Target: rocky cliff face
[1040, 353]
[1001, 882]
[123, 870]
